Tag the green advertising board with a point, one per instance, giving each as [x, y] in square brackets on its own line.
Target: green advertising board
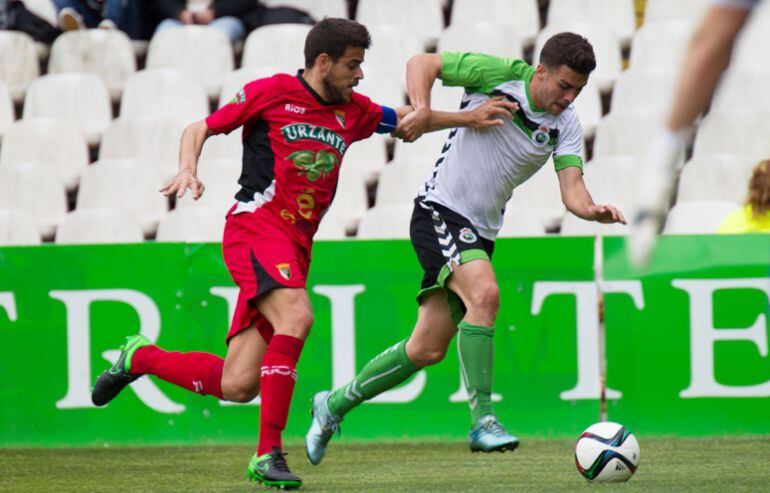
[686, 340]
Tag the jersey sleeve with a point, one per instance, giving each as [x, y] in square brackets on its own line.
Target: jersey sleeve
[247, 104]
[375, 118]
[569, 146]
[478, 72]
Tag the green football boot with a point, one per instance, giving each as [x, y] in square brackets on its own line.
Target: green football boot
[111, 382]
[271, 470]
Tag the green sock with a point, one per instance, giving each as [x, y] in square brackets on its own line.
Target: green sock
[475, 345]
[385, 371]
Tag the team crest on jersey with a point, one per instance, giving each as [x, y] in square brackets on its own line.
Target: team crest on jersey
[284, 270]
[468, 236]
[541, 136]
[340, 115]
[239, 98]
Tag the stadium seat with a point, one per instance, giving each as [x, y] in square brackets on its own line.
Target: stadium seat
[17, 228]
[588, 106]
[541, 196]
[316, 8]
[381, 86]
[367, 158]
[204, 52]
[666, 10]
[34, 188]
[483, 37]
[78, 97]
[20, 66]
[49, 141]
[106, 53]
[192, 225]
[619, 15]
[647, 90]
[425, 18]
[744, 88]
[661, 44]
[350, 199]
[144, 138]
[392, 47]
[606, 49]
[223, 146]
[625, 134]
[697, 217]
[427, 148]
[98, 225]
[401, 180]
[220, 177]
[164, 93]
[521, 222]
[446, 98]
[572, 225]
[716, 177]
[734, 132]
[126, 186]
[520, 16]
[386, 222]
[333, 225]
[277, 45]
[614, 180]
[234, 81]
[7, 113]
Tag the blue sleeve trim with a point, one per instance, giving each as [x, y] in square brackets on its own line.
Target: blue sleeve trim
[388, 122]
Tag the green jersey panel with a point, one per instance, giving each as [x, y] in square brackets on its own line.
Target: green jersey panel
[477, 72]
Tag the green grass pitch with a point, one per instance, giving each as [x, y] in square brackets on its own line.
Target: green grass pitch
[667, 464]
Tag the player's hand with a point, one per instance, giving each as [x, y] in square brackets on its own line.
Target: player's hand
[492, 112]
[606, 214]
[204, 17]
[181, 183]
[186, 17]
[413, 125]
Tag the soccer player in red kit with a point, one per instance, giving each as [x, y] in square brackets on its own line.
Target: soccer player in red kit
[296, 129]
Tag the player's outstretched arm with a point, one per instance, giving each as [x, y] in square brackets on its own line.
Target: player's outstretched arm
[578, 201]
[490, 114]
[193, 137]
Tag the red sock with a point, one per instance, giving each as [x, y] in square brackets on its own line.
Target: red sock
[277, 386]
[197, 372]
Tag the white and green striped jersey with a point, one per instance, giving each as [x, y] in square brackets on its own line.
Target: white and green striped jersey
[479, 168]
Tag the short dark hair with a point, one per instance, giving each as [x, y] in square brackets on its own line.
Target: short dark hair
[569, 49]
[333, 36]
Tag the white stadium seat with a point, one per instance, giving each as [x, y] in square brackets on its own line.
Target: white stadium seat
[588, 106]
[519, 16]
[661, 44]
[716, 177]
[17, 228]
[619, 15]
[19, 65]
[482, 37]
[204, 52]
[34, 188]
[744, 88]
[734, 132]
[613, 180]
[605, 45]
[386, 222]
[192, 225]
[648, 90]
[401, 180]
[318, 9]
[277, 45]
[424, 17]
[7, 113]
[521, 222]
[333, 225]
[164, 93]
[220, 177]
[380, 86]
[446, 98]
[392, 47]
[223, 146]
[126, 186]
[366, 158]
[350, 200]
[427, 148]
[78, 97]
[106, 53]
[234, 81]
[625, 134]
[667, 10]
[50, 141]
[541, 196]
[697, 217]
[98, 225]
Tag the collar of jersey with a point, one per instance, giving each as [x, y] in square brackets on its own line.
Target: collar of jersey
[531, 102]
[311, 90]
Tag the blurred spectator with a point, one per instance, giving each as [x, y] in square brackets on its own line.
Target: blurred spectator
[754, 217]
[14, 16]
[225, 15]
[127, 15]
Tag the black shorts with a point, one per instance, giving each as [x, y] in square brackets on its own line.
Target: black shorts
[442, 239]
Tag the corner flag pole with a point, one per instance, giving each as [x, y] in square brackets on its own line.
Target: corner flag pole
[599, 277]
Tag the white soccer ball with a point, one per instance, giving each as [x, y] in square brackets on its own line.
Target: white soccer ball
[607, 453]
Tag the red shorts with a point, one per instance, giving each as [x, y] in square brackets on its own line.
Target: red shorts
[260, 256]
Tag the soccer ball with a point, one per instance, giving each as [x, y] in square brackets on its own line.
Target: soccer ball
[607, 453]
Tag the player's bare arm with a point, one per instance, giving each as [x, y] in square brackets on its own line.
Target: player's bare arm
[193, 137]
[421, 71]
[578, 201]
[489, 114]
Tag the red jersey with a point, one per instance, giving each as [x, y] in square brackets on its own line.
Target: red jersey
[293, 145]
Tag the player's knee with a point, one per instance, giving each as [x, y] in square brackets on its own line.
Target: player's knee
[426, 356]
[239, 391]
[485, 299]
[298, 323]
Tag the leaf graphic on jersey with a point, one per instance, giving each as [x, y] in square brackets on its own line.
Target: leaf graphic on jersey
[326, 160]
[302, 159]
[314, 166]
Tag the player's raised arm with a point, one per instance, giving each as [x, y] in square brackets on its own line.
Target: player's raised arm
[578, 201]
[489, 114]
[193, 137]
[421, 71]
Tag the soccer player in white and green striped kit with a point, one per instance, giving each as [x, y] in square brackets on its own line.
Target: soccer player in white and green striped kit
[459, 211]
